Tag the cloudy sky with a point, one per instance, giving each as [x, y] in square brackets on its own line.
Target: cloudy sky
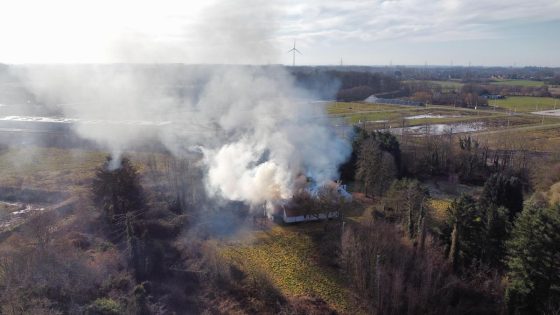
[365, 32]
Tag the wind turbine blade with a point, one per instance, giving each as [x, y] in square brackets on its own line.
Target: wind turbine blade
[298, 51]
[291, 50]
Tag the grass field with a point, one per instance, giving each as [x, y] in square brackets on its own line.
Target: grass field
[519, 83]
[54, 168]
[544, 140]
[342, 108]
[526, 103]
[47, 168]
[394, 115]
[287, 257]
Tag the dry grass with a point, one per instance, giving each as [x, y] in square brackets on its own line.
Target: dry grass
[438, 209]
[288, 257]
[48, 168]
[55, 168]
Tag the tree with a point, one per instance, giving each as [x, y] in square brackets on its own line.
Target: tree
[497, 228]
[467, 231]
[376, 168]
[118, 191]
[389, 143]
[407, 197]
[348, 169]
[501, 190]
[471, 165]
[534, 260]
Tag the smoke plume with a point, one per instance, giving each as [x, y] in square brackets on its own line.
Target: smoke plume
[253, 125]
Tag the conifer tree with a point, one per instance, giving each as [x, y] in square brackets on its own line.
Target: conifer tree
[534, 261]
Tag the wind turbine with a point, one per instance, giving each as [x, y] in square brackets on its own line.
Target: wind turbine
[293, 50]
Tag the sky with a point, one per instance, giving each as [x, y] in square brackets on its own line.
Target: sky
[356, 32]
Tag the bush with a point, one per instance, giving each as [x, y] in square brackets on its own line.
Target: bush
[104, 306]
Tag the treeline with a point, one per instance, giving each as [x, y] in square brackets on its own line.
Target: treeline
[434, 94]
[350, 85]
[490, 253]
[458, 159]
[513, 90]
[468, 95]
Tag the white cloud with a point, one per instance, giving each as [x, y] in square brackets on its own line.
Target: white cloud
[170, 30]
[371, 20]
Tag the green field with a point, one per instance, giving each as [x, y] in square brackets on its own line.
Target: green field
[519, 83]
[526, 103]
[342, 108]
[394, 114]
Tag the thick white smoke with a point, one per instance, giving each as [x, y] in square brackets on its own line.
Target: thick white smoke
[272, 139]
[256, 133]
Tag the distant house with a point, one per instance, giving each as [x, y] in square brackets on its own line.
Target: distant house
[493, 96]
[393, 101]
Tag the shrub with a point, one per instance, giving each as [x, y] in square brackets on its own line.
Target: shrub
[104, 306]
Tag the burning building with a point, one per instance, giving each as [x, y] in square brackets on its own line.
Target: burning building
[311, 203]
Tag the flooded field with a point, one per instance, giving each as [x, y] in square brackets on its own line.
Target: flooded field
[430, 115]
[439, 129]
[555, 113]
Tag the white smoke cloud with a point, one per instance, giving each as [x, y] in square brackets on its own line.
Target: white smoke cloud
[256, 133]
[273, 137]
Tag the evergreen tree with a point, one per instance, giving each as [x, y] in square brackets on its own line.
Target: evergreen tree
[348, 169]
[383, 141]
[467, 231]
[497, 228]
[501, 190]
[376, 168]
[389, 143]
[534, 261]
[118, 190]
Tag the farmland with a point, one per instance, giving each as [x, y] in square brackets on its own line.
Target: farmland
[519, 83]
[525, 103]
[446, 85]
[343, 108]
[395, 114]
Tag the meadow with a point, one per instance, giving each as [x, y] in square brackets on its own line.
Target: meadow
[343, 108]
[396, 116]
[529, 83]
[525, 103]
[58, 169]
